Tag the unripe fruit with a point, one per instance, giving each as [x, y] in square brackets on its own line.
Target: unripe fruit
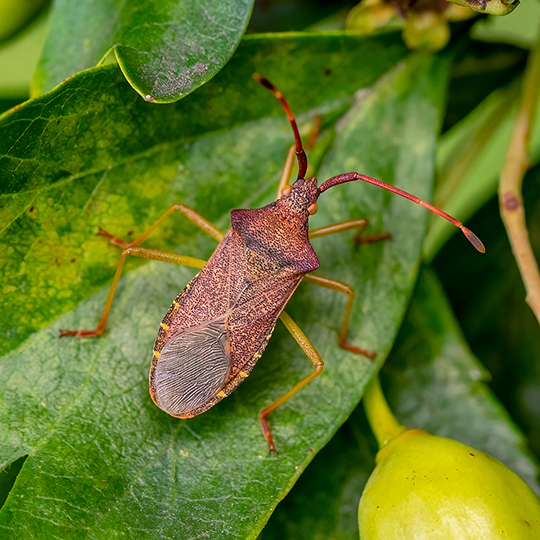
[426, 30]
[428, 487]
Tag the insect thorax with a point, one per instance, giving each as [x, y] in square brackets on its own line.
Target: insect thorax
[277, 234]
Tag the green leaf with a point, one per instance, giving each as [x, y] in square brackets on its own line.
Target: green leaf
[91, 154]
[165, 49]
[18, 60]
[103, 461]
[433, 382]
[16, 16]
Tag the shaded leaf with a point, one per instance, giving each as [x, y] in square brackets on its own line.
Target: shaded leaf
[165, 49]
[103, 461]
[15, 16]
[478, 72]
[459, 402]
[433, 382]
[497, 322]
[18, 59]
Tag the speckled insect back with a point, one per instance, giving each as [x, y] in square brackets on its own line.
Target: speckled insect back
[218, 327]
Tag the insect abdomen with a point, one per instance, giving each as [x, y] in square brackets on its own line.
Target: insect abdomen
[192, 368]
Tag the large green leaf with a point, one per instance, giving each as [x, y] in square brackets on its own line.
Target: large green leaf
[165, 49]
[433, 382]
[103, 461]
[92, 154]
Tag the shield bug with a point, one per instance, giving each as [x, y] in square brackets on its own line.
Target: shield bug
[218, 327]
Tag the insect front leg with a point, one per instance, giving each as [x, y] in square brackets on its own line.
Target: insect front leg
[193, 216]
[339, 286]
[287, 171]
[145, 253]
[315, 359]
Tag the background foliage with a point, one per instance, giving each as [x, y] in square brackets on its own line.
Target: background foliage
[84, 452]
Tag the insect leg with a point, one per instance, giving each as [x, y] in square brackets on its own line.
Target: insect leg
[287, 171]
[144, 253]
[339, 286]
[339, 227]
[314, 132]
[350, 224]
[314, 358]
[193, 216]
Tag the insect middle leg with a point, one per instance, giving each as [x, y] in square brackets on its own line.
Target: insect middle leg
[351, 224]
[314, 358]
[339, 286]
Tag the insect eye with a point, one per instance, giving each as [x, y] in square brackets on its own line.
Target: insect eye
[286, 191]
[312, 208]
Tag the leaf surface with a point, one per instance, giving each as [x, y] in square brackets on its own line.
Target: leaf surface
[92, 154]
[433, 382]
[165, 49]
[103, 461]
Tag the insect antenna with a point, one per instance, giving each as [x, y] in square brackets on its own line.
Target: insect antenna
[351, 177]
[300, 153]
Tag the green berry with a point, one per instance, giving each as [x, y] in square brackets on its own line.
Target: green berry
[428, 487]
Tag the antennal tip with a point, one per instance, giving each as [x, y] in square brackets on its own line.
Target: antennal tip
[473, 239]
[267, 84]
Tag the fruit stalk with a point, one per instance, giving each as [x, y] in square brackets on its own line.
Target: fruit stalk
[382, 422]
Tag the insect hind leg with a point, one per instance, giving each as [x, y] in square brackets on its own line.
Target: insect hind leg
[314, 358]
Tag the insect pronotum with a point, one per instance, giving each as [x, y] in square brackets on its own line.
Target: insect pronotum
[218, 326]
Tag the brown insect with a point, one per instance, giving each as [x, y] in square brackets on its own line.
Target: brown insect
[219, 325]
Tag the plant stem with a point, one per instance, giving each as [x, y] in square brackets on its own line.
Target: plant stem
[516, 165]
[383, 423]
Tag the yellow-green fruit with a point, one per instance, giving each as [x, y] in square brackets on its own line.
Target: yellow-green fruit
[427, 487]
[370, 15]
[426, 30]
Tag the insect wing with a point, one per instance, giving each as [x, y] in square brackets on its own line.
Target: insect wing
[218, 327]
[193, 366]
